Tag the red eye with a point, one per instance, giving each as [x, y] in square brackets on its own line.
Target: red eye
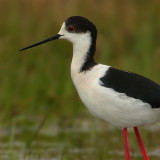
[70, 28]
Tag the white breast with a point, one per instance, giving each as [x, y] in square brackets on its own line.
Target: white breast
[107, 104]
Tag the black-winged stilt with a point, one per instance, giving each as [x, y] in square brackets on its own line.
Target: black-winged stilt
[121, 98]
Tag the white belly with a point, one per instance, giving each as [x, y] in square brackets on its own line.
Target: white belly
[116, 108]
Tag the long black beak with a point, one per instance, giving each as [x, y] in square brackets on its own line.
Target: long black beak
[44, 41]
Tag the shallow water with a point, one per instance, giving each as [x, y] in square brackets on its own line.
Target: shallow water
[88, 140]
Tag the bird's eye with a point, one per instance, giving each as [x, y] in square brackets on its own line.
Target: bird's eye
[70, 28]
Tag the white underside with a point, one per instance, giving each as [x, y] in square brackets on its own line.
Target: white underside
[116, 108]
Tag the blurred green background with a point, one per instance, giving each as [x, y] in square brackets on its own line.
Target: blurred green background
[36, 91]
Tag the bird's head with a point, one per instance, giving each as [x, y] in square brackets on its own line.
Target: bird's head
[74, 29]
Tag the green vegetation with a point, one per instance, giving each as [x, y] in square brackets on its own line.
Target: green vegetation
[41, 113]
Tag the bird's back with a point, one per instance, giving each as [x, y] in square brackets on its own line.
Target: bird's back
[133, 85]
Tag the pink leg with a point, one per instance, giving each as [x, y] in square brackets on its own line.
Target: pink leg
[126, 145]
[144, 153]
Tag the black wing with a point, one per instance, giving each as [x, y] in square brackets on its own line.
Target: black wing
[132, 85]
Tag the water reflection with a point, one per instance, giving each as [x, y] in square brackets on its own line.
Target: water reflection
[87, 141]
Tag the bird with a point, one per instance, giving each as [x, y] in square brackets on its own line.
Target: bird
[122, 98]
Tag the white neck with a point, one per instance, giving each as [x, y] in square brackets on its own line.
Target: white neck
[81, 47]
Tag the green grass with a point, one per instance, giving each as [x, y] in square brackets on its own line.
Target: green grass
[36, 91]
